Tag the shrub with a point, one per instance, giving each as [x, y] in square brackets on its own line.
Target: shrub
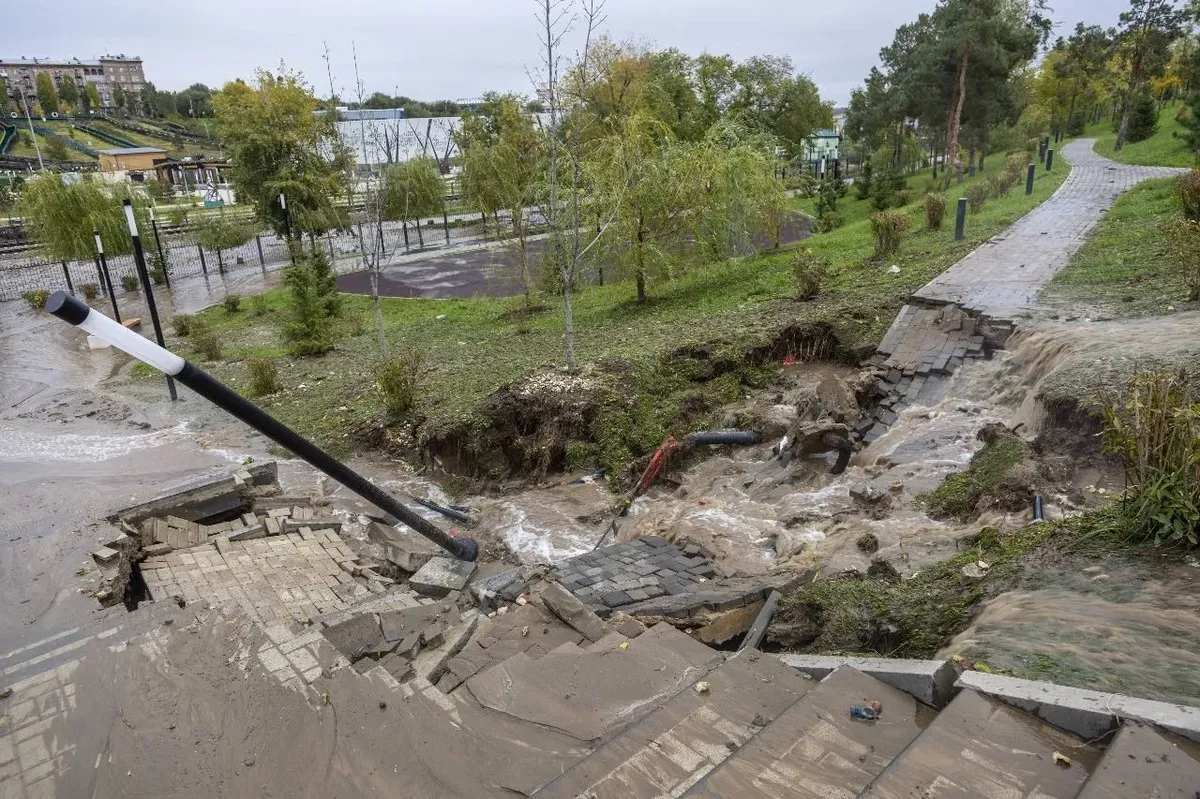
[36, 298]
[182, 323]
[130, 282]
[1183, 247]
[1189, 195]
[258, 304]
[309, 329]
[889, 229]
[158, 276]
[1143, 121]
[881, 199]
[204, 339]
[1016, 163]
[901, 198]
[158, 264]
[827, 198]
[830, 220]
[264, 376]
[177, 215]
[90, 291]
[399, 379]
[1155, 430]
[998, 186]
[325, 281]
[811, 272]
[977, 195]
[1076, 125]
[935, 211]
[232, 302]
[862, 183]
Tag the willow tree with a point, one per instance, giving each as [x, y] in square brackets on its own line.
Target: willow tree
[411, 190]
[61, 216]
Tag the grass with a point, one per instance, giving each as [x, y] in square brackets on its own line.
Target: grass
[1123, 269]
[959, 494]
[1164, 148]
[473, 347]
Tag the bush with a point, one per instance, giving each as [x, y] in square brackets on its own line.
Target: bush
[998, 186]
[830, 220]
[1189, 195]
[182, 323]
[881, 199]
[309, 329]
[977, 195]
[862, 183]
[901, 198]
[1183, 247]
[1143, 121]
[264, 376]
[399, 379]
[258, 304]
[811, 272]
[130, 282]
[889, 229]
[935, 211]
[90, 291]
[1076, 125]
[158, 264]
[36, 298]
[1155, 430]
[232, 302]
[158, 276]
[325, 280]
[204, 339]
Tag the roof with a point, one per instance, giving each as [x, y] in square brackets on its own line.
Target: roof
[131, 151]
[826, 133]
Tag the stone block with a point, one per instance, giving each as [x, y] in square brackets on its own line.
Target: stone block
[157, 550]
[431, 663]
[626, 625]
[440, 576]
[356, 635]
[928, 681]
[105, 555]
[615, 599]
[249, 533]
[563, 604]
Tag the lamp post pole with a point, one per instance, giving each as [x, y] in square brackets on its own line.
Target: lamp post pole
[139, 261]
[104, 273]
[69, 309]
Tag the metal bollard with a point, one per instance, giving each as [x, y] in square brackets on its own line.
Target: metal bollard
[67, 274]
[960, 219]
[1049, 160]
[261, 261]
[203, 265]
[1029, 179]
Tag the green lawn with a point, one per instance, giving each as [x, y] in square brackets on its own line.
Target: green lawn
[1164, 148]
[20, 149]
[1123, 269]
[473, 348]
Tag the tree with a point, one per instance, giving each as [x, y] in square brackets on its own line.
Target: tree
[504, 165]
[771, 99]
[91, 96]
[61, 216]
[1143, 120]
[309, 327]
[68, 92]
[3, 95]
[1146, 32]
[118, 96]
[56, 148]
[411, 190]
[47, 96]
[277, 145]
[220, 233]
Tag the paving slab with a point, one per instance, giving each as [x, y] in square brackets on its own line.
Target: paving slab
[356, 635]
[930, 681]
[980, 747]
[1143, 762]
[562, 603]
[440, 576]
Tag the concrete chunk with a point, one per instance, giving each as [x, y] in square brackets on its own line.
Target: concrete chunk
[440, 576]
[563, 604]
[1088, 714]
[105, 555]
[248, 533]
[431, 663]
[930, 681]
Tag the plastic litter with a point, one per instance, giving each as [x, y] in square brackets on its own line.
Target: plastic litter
[702, 687]
[868, 712]
[1062, 760]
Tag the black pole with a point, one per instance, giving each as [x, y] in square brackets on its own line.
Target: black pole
[99, 275]
[112, 295]
[1049, 160]
[203, 265]
[329, 241]
[404, 224]
[1037, 508]
[161, 258]
[139, 261]
[69, 309]
[446, 225]
[960, 219]
[1029, 179]
[258, 242]
[67, 274]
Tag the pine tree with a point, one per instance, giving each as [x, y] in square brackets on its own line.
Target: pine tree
[309, 328]
[326, 282]
[1143, 121]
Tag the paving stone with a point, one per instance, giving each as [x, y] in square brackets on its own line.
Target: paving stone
[615, 599]
[440, 576]
[571, 610]
[355, 636]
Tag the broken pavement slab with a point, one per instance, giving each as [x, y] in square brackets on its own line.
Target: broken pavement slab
[356, 635]
[440, 576]
[729, 624]
[929, 681]
[431, 663]
[562, 603]
[402, 547]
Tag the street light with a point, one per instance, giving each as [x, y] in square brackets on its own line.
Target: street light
[139, 262]
[69, 309]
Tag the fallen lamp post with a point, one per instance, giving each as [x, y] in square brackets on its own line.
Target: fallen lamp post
[70, 309]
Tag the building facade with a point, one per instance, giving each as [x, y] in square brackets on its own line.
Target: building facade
[106, 72]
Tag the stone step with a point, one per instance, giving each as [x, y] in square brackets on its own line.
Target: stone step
[1142, 761]
[815, 749]
[980, 747]
[592, 694]
[690, 735]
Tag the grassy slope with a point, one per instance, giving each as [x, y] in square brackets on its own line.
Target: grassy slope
[1161, 149]
[475, 349]
[1123, 268]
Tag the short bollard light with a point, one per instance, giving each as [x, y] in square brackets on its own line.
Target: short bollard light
[70, 309]
[1029, 179]
[960, 219]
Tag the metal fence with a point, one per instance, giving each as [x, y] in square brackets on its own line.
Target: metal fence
[265, 251]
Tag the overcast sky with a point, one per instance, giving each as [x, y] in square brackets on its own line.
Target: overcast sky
[432, 49]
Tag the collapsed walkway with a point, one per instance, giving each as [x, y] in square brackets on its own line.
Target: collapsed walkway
[974, 306]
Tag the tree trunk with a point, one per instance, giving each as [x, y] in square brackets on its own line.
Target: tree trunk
[956, 112]
[971, 161]
[420, 236]
[982, 155]
[641, 266]
[383, 349]
[1135, 77]
[568, 322]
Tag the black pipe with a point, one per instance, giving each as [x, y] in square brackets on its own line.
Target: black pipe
[66, 307]
[1037, 508]
[716, 437]
[449, 513]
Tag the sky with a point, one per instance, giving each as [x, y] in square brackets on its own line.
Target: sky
[455, 49]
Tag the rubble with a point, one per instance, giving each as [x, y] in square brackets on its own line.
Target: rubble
[562, 603]
[440, 576]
